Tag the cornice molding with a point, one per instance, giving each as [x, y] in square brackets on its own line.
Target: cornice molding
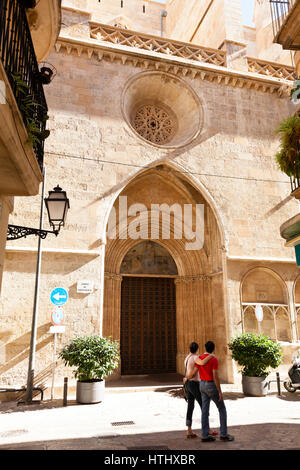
[149, 60]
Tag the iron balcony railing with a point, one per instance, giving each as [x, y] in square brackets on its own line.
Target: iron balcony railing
[279, 11]
[19, 61]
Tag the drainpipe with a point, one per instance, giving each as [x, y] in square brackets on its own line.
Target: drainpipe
[163, 14]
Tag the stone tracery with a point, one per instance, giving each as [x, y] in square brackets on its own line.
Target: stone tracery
[154, 123]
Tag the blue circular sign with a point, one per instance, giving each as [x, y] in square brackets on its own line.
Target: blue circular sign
[59, 296]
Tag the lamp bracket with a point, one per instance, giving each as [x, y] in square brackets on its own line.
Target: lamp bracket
[16, 231]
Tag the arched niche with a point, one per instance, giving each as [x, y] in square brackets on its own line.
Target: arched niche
[263, 286]
[148, 257]
[283, 326]
[250, 322]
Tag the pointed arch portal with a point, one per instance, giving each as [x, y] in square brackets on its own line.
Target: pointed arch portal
[159, 296]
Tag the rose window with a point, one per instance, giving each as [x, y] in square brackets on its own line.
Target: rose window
[154, 123]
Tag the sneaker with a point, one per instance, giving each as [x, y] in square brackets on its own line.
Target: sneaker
[227, 438]
[208, 439]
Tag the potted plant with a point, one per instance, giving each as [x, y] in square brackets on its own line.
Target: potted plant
[94, 357]
[255, 354]
[288, 157]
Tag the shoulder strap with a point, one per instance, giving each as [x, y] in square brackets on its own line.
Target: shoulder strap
[186, 362]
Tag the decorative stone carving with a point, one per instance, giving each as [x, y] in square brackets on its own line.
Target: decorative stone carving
[113, 276]
[171, 120]
[155, 123]
[197, 278]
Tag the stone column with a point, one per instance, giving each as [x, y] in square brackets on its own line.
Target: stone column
[292, 309]
[102, 275]
[297, 63]
[112, 305]
[193, 314]
[112, 311]
[6, 207]
[236, 55]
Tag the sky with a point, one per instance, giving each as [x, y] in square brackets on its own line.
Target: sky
[247, 10]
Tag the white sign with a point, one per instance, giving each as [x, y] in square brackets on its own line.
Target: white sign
[259, 313]
[85, 287]
[57, 329]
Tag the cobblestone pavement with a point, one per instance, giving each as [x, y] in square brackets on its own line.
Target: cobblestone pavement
[152, 419]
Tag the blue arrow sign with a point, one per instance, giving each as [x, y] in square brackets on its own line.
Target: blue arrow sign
[59, 296]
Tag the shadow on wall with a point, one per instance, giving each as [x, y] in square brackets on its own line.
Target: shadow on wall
[18, 350]
[52, 263]
[171, 155]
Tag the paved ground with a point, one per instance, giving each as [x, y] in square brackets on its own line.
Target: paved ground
[150, 417]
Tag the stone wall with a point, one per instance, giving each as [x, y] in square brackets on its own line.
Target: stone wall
[94, 153]
[131, 15]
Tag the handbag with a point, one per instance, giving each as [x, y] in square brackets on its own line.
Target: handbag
[185, 392]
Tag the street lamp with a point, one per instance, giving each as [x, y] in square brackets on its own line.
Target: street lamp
[57, 205]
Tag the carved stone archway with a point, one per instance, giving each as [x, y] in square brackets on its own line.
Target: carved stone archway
[200, 296]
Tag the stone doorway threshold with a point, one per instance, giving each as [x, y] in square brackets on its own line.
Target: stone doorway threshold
[144, 382]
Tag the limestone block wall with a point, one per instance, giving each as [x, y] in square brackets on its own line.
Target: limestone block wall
[184, 17]
[131, 14]
[93, 153]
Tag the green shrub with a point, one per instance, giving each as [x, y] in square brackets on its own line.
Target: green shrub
[95, 357]
[255, 353]
[28, 107]
[288, 157]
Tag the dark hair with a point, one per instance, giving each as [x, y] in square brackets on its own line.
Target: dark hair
[193, 347]
[209, 346]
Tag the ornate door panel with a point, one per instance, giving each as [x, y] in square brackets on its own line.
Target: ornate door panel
[148, 325]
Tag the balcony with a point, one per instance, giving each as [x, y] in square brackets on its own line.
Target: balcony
[286, 23]
[23, 108]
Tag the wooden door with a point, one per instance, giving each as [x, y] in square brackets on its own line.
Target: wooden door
[148, 325]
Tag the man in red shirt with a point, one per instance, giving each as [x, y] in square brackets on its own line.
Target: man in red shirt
[211, 390]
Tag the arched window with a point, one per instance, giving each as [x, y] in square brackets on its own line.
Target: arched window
[264, 287]
[283, 331]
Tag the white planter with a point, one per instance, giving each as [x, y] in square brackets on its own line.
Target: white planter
[90, 392]
[255, 386]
